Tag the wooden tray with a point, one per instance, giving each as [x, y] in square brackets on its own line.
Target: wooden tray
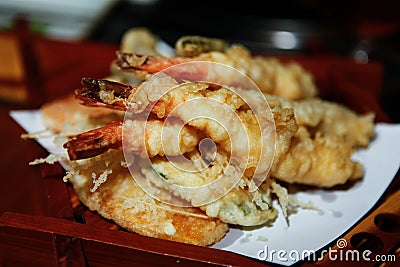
[71, 235]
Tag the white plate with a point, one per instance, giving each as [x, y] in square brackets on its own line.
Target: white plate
[308, 230]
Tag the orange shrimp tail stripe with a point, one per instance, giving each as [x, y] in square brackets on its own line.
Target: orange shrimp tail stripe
[95, 142]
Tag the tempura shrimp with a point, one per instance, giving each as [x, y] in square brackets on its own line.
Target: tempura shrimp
[218, 112]
[294, 159]
[291, 81]
[144, 138]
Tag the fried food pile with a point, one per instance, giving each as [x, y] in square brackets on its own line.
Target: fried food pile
[220, 149]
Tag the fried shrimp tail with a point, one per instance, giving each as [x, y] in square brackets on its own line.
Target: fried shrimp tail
[141, 138]
[104, 93]
[147, 63]
[95, 142]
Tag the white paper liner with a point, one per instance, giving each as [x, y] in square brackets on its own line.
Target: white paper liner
[308, 230]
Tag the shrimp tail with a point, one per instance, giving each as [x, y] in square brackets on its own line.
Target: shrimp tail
[104, 93]
[94, 142]
[146, 63]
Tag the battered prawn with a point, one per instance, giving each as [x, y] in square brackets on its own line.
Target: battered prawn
[322, 161]
[220, 104]
[290, 80]
[316, 115]
[294, 158]
[144, 138]
[328, 118]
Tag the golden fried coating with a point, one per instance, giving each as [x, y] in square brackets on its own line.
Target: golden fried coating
[290, 80]
[328, 132]
[328, 118]
[237, 206]
[120, 199]
[322, 161]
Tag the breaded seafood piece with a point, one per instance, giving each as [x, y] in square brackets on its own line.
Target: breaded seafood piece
[295, 157]
[329, 118]
[120, 199]
[289, 80]
[322, 161]
[238, 206]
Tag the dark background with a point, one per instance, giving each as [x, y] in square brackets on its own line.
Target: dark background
[342, 27]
